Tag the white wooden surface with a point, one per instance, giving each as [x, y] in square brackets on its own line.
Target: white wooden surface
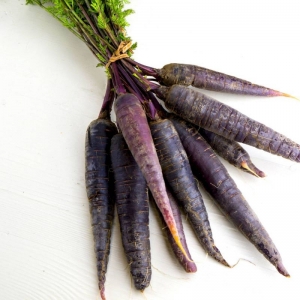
[51, 90]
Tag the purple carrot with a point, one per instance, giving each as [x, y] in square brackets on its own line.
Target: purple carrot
[231, 151]
[211, 80]
[210, 114]
[99, 190]
[131, 193]
[182, 183]
[218, 183]
[132, 121]
[188, 265]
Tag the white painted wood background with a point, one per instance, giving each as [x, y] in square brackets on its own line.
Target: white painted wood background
[51, 90]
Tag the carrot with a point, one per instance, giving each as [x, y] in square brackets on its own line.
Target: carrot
[133, 123]
[99, 190]
[231, 151]
[211, 80]
[132, 203]
[218, 183]
[179, 177]
[188, 265]
[220, 118]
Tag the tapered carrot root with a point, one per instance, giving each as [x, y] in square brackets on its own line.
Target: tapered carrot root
[99, 190]
[188, 265]
[132, 203]
[218, 183]
[180, 179]
[133, 123]
[224, 120]
[211, 80]
[231, 151]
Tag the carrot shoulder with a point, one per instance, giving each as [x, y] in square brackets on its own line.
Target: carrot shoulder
[216, 180]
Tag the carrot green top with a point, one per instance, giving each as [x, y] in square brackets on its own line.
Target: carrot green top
[100, 24]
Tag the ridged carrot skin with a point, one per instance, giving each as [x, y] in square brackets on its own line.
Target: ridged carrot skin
[188, 265]
[211, 80]
[224, 120]
[99, 186]
[133, 123]
[218, 183]
[231, 151]
[132, 201]
[182, 184]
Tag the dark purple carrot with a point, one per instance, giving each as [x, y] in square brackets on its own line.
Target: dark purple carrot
[132, 121]
[218, 183]
[220, 118]
[211, 80]
[231, 151]
[99, 190]
[188, 265]
[180, 179]
[131, 194]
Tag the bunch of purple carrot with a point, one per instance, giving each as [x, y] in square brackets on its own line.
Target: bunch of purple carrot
[167, 152]
[159, 153]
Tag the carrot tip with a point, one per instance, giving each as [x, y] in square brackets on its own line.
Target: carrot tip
[225, 263]
[261, 174]
[246, 167]
[290, 96]
[252, 169]
[102, 294]
[281, 269]
[216, 254]
[191, 268]
[179, 244]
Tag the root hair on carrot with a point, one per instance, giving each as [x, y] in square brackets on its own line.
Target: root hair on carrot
[244, 260]
[170, 276]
